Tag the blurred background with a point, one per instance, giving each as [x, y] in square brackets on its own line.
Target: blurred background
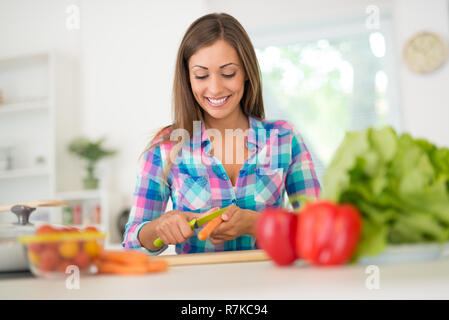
[103, 70]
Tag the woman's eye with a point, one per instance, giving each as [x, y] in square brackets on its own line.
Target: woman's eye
[224, 75]
[229, 75]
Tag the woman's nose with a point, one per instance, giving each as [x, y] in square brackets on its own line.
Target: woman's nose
[215, 86]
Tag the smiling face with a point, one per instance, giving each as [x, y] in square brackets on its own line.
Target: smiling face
[217, 79]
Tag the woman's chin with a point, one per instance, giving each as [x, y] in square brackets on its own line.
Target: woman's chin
[218, 113]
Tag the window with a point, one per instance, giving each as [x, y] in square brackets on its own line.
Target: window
[328, 86]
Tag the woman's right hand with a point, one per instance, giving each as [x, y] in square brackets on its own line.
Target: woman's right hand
[173, 226]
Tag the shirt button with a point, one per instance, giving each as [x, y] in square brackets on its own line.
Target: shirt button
[224, 177]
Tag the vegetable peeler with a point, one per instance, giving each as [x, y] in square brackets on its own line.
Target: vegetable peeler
[195, 223]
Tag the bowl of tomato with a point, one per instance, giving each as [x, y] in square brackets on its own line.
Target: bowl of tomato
[52, 250]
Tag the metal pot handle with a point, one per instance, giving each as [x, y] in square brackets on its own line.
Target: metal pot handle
[23, 214]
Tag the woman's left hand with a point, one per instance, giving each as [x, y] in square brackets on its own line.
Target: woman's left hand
[236, 222]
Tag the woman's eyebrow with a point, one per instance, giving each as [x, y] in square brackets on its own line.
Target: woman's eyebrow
[221, 67]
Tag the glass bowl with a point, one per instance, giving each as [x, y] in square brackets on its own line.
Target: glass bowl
[55, 252]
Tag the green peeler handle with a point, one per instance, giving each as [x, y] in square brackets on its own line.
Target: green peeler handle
[159, 243]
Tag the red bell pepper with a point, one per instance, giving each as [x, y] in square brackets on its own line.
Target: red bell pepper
[327, 233]
[275, 234]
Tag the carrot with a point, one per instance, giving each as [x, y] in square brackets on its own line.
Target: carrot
[127, 263]
[123, 257]
[209, 227]
[157, 265]
[117, 268]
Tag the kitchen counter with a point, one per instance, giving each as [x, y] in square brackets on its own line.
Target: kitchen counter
[248, 280]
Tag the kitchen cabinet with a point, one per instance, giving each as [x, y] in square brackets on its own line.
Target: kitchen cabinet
[26, 129]
[39, 116]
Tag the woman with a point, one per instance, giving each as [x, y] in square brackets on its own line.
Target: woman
[228, 156]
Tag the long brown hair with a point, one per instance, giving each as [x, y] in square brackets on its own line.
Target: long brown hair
[202, 33]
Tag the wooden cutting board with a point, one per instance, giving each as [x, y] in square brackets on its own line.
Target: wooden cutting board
[214, 257]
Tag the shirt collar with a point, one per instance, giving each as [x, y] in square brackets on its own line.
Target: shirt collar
[201, 138]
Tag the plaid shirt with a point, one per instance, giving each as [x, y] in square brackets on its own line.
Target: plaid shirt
[279, 164]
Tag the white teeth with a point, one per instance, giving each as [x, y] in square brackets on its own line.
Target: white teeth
[220, 101]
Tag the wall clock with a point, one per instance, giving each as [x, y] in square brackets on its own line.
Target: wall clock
[425, 52]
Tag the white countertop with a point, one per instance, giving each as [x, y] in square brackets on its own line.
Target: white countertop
[248, 280]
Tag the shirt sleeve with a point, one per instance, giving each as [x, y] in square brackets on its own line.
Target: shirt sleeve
[150, 197]
[301, 176]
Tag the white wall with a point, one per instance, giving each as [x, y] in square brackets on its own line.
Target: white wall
[267, 16]
[28, 26]
[424, 97]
